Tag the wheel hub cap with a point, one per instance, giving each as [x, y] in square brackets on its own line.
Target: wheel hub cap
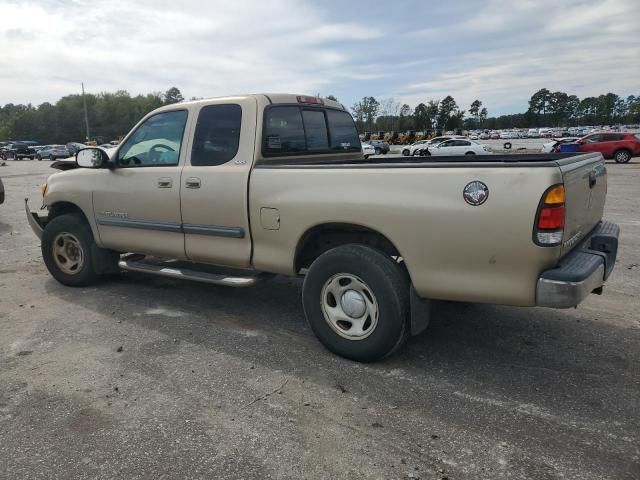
[349, 306]
[353, 304]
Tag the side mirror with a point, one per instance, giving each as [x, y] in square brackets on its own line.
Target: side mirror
[92, 158]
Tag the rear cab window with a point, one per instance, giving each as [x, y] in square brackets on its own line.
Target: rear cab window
[305, 130]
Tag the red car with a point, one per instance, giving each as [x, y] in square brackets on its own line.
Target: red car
[620, 146]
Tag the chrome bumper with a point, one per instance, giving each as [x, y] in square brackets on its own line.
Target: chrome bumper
[34, 220]
[581, 272]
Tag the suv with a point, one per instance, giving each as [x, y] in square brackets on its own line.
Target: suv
[17, 151]
[619, 146]
[53, 152]
[379, 146]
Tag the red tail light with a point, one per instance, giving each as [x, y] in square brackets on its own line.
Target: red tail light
[549, 227]
[551, 218]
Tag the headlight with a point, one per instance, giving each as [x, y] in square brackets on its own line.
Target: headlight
[43, 189]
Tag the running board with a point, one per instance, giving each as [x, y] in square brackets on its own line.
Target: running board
[135, 263]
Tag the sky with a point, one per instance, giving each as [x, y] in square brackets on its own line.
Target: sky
[498, 51]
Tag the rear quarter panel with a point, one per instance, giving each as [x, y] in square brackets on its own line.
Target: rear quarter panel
[453, 251]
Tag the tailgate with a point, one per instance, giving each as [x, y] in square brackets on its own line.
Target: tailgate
[585, 183]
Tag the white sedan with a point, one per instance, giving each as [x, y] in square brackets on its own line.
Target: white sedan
[459, 147]
[368, 150]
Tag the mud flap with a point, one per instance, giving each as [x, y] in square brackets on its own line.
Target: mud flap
[420, 312]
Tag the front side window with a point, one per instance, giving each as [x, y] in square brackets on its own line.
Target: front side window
[217, 135]
[593, 139]
[156, 142]
[447, 143]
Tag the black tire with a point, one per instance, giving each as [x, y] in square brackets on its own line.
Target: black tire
[622, 156]
[405, 152]
[39, 158]
[377, 151]
[388, 285]
[366, 157]
[507, 145]
[51, 158]
[470, 153]
[77, 226]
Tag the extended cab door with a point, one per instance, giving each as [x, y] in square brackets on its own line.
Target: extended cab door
[214, 183]
[137, 203]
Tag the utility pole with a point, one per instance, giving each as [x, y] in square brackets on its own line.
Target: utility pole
[86, 117]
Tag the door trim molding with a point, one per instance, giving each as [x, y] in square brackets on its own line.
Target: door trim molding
[213, 230]
[193, 229]
[140, 224]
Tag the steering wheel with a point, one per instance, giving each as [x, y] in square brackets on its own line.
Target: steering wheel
[154, 155]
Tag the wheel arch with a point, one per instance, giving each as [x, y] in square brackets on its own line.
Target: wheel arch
[325, 236]
[64, 207]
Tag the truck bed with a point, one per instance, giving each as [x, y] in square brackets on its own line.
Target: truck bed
[508, 160]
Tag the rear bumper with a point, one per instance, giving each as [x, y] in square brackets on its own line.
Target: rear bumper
[35, 221]
[582, 271]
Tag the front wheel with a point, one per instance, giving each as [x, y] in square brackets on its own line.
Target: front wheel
[470, 153]
[39, 158]
[622, 156]
[356, 300]
[70, 252]
[405, 152]
[52, 158]
[377, 151]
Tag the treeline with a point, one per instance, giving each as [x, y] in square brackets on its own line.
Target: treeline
[546, 109]
[110, 116]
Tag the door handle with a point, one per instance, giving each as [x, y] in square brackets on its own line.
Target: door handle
[165, 182]
[192, 182]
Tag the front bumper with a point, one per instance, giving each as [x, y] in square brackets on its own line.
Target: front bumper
[36, 221]
[582, 271]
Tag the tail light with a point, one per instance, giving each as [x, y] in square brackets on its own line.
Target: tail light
[549, 227]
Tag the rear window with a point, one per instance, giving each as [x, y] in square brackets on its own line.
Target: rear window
[217, 135]
[291, 130]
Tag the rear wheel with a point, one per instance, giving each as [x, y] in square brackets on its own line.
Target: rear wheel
[356, 300]
[470, 153]
[622, 156]
[39, 158]
[377, 151]
[52, 158]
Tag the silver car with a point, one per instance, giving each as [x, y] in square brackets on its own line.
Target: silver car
[53, 152]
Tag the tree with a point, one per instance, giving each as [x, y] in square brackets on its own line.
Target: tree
[365, 112]
[421, 117]
[474, 110]
[173, 95]
[447, 107]
[539, 103]
[482, 115]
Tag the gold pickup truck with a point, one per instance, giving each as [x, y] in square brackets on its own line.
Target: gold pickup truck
[230, 190]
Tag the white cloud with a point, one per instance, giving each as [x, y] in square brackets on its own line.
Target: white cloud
[500, 51]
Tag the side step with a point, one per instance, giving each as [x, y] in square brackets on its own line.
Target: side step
[137, 263]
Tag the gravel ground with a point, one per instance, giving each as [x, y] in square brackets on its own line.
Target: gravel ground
[148, 378]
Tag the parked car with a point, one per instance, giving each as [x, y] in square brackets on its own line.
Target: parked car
[619, 146]
[485, 136]
[457, 147]
[245, 185]
[474, 137]
[367, 150]
[53, 152]
[411, 149]
[494, 135]
[17, 151]
[422, 149]
[73, 147]
[551, 147]
[380, 146]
